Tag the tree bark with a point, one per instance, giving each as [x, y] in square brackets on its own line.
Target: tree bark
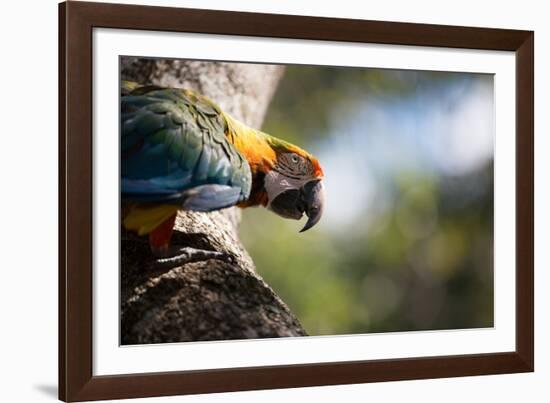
[211, 299]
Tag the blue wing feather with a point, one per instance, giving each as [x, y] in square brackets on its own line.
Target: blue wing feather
[174, 150]
[211, 197]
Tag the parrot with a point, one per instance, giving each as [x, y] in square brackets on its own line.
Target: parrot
[180, 151]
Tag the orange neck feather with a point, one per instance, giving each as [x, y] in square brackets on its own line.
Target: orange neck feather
[252, 144]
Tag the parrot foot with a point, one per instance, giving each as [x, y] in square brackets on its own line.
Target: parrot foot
[186, 255]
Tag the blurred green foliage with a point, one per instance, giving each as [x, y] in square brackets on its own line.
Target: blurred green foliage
[309, 98]
[422, 262]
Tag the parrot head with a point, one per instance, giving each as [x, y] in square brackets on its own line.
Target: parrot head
[294, 184]
[285, 178]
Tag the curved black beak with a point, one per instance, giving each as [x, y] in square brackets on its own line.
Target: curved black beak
[312, 195]
[308, 199]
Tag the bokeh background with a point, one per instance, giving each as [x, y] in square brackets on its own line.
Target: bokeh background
[406, 240]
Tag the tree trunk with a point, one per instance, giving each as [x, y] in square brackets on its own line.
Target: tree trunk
[211, 299]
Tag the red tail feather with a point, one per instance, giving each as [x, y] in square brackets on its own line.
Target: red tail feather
[159, 238]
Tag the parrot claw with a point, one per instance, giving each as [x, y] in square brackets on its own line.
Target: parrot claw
[189, 255]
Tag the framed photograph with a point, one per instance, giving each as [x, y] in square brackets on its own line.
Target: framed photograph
[253, 201]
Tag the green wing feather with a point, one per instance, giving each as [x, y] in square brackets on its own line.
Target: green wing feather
[173, 142]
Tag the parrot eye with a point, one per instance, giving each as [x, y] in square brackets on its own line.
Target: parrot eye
[294, 164]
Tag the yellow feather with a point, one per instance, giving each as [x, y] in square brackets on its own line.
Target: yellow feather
[251, 143]
[145, 218]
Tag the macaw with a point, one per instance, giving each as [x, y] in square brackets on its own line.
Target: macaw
[180, 151]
